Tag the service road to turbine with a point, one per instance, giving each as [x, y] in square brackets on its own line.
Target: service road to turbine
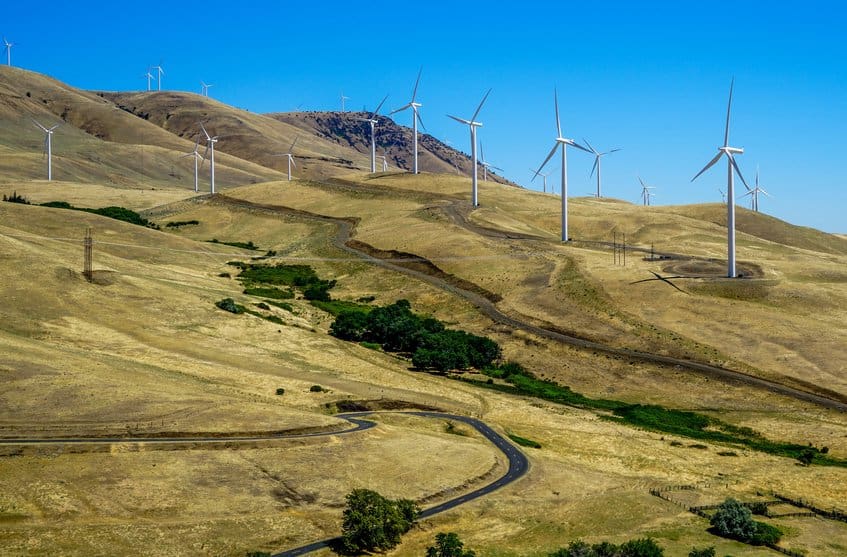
[518, 463]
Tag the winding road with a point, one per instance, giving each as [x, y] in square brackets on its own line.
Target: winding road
[518, 463]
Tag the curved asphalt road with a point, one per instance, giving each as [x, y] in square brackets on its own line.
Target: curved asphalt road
[518, 466]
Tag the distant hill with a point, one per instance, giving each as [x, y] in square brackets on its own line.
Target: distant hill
[392, 140]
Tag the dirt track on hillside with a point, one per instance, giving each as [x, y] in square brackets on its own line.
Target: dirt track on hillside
[482, 299]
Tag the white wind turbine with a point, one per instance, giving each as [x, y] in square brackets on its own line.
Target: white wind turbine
[645, 192]
[754, 194]
[384, 163]
[485, 165]
[159, 73]
[473, 125]
[48, 146]
[597, 157]
[8, 46]
[210, 154]
[196, 156]
[561, 143]
[723, 196]
[416, 117]
[544, 176]
[343, 98]
[290, 156]
[204, 88]
[373, 122]
[149, 76]
[731, 166]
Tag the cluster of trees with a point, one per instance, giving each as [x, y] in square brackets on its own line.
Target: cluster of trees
[642, 547]
[431, 345]
[448, 545]
[302, 277]
[734, 520]
[373, 523]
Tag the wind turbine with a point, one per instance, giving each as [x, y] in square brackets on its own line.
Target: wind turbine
[597, 157]
[473, 125]
[645, 192]
[204, 88]
[723, 196]
[373, 122]
[485, 165]
[8, 46]
[48, 146]
[754, 194]
[416, 117]
[731, 166]
[290, 155]
[384, 163]
[196, 156]
[210, 148]
[149, 76]
[159, 73]
[544, 176]
[561, 143]
[343, 98]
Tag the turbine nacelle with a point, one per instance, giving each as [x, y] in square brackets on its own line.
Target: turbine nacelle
[732, 150]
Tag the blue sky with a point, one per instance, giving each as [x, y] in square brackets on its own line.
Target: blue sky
[649, 77]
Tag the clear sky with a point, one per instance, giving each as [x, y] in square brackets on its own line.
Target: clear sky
[649, 77]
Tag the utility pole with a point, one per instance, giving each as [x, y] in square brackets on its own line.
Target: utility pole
[87, 243]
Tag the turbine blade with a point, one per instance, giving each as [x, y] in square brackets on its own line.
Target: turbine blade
[556, 104]
[417, 82]
[643, 185]
[593, 168]
[577, 145]
[708, 166]
[202, 127]
[375, 112]
[293, 143]
[475, 114]
[34, 121]
[400, 109]
[460, 120]
[53, 128]
[728, 108]
[550, 156]
[613, 151]
[593, 150]
[418, 116]
[737, 170]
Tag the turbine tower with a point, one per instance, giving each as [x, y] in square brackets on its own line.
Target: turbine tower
[343, 98]
[544, 176]
[416, 117]
[210, 154]
[597, 157]
[196, 155]
[373, 122]
[8, 46]
[754, 194]
[485, 165]
[473, 125]
[290, 156]
[204, 88]
[159, 73]
[731, 167]
[384, 163]
[48, 147]
[561, 143]
[645, 192]
[149, 77]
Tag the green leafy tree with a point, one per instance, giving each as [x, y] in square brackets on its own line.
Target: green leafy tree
[806, 457]
[703, 552]
[448, 545]
[642, 547]
[734, 520]
[350, 325]
[372, 522]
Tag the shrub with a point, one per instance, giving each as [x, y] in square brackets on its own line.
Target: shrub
[733, 520]
[280, 391]
[263, 305]
[759, 508]
[524, 442]
[766, 534]
[269, 292]
[372, 522]
[228, 304]
[318, 290]
[15, 198]
[703, 552]
[316, 389]
[806, 457]
[177, 224]
[350, 325]
[224, 275]
[643, 547]
[448, 545]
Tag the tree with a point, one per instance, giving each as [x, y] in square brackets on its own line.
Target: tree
[372, 522]
[704, 552]
[734, 520]
[448, 545]
[642, 547]
[350, 325]
[806, 457]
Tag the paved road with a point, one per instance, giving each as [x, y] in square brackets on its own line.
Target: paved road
[518, 465]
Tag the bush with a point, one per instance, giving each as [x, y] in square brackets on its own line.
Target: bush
[524, 442]
[269, 292]
[372, 522]
[734, 520]
[228, 304]
[177, 224]
[643, 547]
[15, 198]
[316, 389]
[759, 508]
[318, 290]
[766, 534]
[350, 325]
[448, 545]
[806, 457]
[704, 552]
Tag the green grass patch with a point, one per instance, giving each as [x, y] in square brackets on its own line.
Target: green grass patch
[523, 441]
[371, 345]
[335, 307]
[269, 292]
[282, 305]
